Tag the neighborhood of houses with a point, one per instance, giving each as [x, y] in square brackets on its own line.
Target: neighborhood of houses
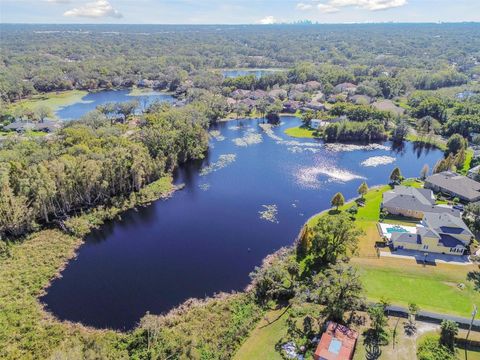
[440, 228]
[307, 96]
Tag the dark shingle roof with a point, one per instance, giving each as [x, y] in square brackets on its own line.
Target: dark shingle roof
[406, 197]
[456, 184]
[406, 238]
[446, 224]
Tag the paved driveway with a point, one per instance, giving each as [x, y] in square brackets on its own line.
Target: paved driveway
[419, 256]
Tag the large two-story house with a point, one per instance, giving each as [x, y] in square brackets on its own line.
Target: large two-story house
[441, 233]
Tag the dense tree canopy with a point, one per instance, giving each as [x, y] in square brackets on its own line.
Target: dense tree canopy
[89, 162]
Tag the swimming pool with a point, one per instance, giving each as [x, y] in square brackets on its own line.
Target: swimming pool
[396, 229]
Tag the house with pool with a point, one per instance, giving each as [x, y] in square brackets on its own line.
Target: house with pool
[441, 233]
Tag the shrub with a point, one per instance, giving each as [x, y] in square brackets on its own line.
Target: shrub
[431, 349]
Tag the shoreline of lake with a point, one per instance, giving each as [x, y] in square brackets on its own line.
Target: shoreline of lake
[156, 234]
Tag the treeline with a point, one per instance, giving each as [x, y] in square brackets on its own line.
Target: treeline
[63, 57]
[361, 113]
[435, 114]
[89, 162]
[355, 131]
[373, 81]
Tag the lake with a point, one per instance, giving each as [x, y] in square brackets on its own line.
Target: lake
[90, 101]
[209, 236]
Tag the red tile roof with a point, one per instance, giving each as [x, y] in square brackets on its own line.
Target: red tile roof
[343, 346]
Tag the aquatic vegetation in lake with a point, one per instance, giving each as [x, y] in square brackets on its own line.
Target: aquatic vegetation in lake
[308, 177]
[204, 187]
[378, 160]
[239, 127]
[217, 135]
[269, 213]
[337, 147]
[250, 138]
[299, 149]
[223, 161]
[267, 128]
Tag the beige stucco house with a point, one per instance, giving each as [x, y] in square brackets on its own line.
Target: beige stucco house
[438, 233]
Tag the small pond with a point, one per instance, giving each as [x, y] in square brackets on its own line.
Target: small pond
[246, 199]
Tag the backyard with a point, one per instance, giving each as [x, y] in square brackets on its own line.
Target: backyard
[402, 281]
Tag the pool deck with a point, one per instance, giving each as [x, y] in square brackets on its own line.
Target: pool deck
[384, 227]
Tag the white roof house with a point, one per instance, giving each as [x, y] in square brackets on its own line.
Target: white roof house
[317, 123]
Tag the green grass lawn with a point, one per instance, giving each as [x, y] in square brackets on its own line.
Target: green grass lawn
[431, 288]
[52, 100]
[471, 354]
[261, 342]
[373, 199]
[301, 132]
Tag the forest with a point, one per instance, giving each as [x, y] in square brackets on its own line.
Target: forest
[90, 163]
[41, 58]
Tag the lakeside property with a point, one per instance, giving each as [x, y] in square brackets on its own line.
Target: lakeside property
[441, 288]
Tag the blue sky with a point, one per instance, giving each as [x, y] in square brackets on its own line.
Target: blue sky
[236, 11]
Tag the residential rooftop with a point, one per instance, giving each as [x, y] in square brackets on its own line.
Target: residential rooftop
[455, 184]
[415, 199]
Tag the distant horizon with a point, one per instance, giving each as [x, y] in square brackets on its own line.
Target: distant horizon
[237, 12]
[297, 23]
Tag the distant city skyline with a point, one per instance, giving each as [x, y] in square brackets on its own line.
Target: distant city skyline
[236, 11]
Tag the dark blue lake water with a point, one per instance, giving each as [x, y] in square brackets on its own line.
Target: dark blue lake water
[90, 101]
[208, 237]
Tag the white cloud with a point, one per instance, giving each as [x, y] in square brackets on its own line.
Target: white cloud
[327, 8]
[330, 6]
[369, 4]
[268, 20]
[96, 9]
[304, 6]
